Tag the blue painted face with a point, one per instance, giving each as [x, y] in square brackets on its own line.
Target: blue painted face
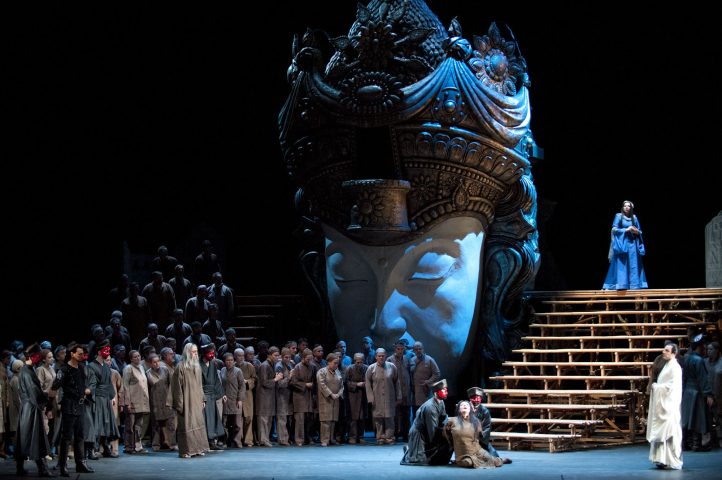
[424, 290]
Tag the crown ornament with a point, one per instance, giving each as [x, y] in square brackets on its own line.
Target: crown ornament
[404, 100]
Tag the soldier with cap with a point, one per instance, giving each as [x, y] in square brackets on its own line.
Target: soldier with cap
[476, 396]
[427, 445]
[696, 396]
[31, 440]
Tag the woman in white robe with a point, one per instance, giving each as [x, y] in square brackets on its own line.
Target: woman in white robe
[664, 428]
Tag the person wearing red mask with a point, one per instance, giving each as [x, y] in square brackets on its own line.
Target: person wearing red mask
[476, 396]
[100, 382]
[427, 445]
[213, 396]
[31, 441]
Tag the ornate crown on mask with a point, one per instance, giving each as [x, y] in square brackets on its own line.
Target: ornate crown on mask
[405, 124]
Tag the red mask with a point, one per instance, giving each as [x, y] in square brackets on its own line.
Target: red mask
[36, 357]
[475, 399]
[443, 393]
[85, 356]
[210, 355]
[105, 352]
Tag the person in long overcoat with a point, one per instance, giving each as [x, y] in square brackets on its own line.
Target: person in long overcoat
[330, 390]
[161, 405]
[355, 379]
[214, 396]
[266, 396]
[383, 393]
[425, 442]
[303, 383]
[234, 386]
[249, 376]
[31, 439]
[284, 405]
[100, 382]
[188, 399]
[696, 396]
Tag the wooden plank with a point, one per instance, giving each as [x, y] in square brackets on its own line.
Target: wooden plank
[540, 436]
[593, 378]
[546, 421]
[621, 312]
[580, 364]
[588, 393]
[615, 325]
[613, 294]
[555, 406]
[588, 350]
[632, 300]
[606, 337]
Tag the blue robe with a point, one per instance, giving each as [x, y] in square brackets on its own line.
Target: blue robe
[625, 264]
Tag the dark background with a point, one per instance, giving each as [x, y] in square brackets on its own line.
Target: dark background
[164, 102]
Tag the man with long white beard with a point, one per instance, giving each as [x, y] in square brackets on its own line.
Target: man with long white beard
[188, 402]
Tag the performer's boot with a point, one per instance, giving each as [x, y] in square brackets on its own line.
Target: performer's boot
[43, 468]
[81, 466]
[19, 469]
[63, 458]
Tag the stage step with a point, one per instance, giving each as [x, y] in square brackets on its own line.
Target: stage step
[546, 421]
[555, 406]
[577, 364]
[659, 325]
[525, 392]
[602, 313]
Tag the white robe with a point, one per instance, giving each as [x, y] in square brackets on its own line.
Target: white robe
[664, 427]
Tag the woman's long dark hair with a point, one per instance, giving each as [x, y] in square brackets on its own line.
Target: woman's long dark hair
[475, 424]
[631, 208]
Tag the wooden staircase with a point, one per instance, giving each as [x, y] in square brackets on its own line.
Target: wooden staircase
[266, 317]
[581, 380]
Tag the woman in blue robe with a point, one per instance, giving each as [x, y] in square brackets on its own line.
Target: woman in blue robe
[625, 252]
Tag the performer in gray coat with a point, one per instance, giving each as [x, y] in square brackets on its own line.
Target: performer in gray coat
[212, 391]
[355, 380]
[234, 385]
[284, 404]
[266, 396]
[100, 382]
[384, 394]
[330, 390]
[426, 442]
[303, 383]
[31, 440]
[696, 396]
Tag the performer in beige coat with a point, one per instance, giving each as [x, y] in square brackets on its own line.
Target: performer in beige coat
[664, 423]
[234, 386]
[249, 376]
[188, 399]
[330, 390]
[136, 403]
[383, 393]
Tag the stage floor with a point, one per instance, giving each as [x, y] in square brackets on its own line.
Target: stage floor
[369, 461]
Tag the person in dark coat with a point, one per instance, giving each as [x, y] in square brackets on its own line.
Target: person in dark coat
[100, 382]
[476, 396]
[71, 378]
[213, 392]
[696, 396]
[31, 440]
[427, 445]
